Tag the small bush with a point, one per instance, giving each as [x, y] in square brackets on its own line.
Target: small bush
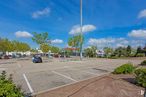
[124, 69]
[8, 88]
[140, 55]
[141, 77]
[143, 63]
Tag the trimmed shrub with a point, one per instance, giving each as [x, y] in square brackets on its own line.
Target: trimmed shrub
[8, 88]
[124, 69]
[141, 77]
[143, 63]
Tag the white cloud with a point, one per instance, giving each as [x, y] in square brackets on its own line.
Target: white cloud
[115, 42]
[40, 13]
[23, 34]
[110, 42]
[86, 28]
[120, 45]
[100, 41]
[136, 43]
[57, 41]
[137, 34]
[142, 14]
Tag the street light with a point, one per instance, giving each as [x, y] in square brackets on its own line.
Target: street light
[81, 24]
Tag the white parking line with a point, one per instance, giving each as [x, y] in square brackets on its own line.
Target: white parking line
[64, 76]
[28, 84]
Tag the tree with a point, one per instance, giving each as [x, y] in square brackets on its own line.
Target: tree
[34, 51]
[120, 51]
[139, 50]
[9, 46]
[108, 51]
[75, 41]
[72, 42]
[128, 50]
[44, 47]
[40, 38]
[20, 46]
[5, 45]
[54, 49]
[90, 52]
[144, 49]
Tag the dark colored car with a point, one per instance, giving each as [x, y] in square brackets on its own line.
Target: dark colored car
[56, 56]
[37, 59]
[6, 57]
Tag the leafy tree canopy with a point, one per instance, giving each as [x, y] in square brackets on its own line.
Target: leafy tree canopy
[40, 38]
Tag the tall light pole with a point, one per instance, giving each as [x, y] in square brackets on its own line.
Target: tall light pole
[81, 30]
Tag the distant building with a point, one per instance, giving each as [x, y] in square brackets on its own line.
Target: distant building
[100, 53]
[27, 53]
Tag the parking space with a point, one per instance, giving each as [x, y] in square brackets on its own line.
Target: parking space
[45, 80]
[74, 74]
[35, 78]
[41, 81]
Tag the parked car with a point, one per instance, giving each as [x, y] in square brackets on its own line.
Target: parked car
[6, 57]
[18, 55]
[56, 56]
[37, 59]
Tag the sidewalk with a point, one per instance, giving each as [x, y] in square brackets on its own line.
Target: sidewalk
[103, 86]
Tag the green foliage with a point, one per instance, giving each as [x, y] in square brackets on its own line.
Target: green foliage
[128, 51]
[143, 62]
[66, 53]
[44, 47]
[141, 77]
[40, 38]
[90, 52]
[8, 88]
[139, 51]
[7, 45]
[108, 51]
[124, 69]
[20, 46]
[75, 41]
[120, 51]
[54, 49]
[140, 55]
[34, 50]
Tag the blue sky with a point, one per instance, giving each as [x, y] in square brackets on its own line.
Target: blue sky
[106, 22]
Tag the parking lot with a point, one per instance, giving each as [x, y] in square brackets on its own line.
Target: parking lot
[53, 73]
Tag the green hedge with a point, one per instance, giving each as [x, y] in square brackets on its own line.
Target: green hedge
[141, 77]
[143, 63]
[8, 88]
[124, 69]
